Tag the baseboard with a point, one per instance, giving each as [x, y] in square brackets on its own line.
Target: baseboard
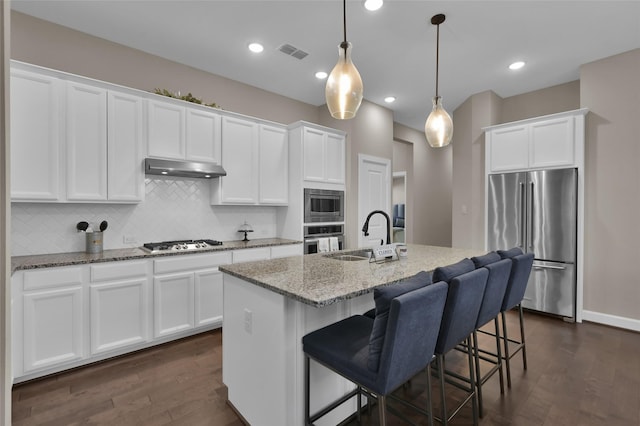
[612, 320]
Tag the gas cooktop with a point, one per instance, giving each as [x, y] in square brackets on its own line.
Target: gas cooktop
[180, 246]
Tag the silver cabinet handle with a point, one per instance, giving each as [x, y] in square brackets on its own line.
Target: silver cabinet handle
[521, 236]
[561, 268]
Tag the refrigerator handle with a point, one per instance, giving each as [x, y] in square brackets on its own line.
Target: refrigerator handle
[561, 268]
[530, 218]
[521, 234]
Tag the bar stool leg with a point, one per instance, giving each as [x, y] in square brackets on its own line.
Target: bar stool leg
[472, 382]
[429, 398]
[499, 352]
[382, 409]
[307, 389]
[476, 359]
[444, 415]
[506, 358]
[522, 342]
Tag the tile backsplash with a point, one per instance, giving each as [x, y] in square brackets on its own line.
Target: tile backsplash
[174, 208]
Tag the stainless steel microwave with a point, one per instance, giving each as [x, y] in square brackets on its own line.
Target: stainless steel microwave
[323, 205]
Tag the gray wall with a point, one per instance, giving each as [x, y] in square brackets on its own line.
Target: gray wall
[432, 189]
[610, 88]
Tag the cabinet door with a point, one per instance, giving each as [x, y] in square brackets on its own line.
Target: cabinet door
[173, 303]
[240, 160]
[165, 131]
[52, 327]
[313, 148]
[552, 143]
[203, 136]
[124, 148]
[334, 159]
[509, 149]
[274, 165]
[86, 142]
[119, 312]
[208, 299]
[35, 136]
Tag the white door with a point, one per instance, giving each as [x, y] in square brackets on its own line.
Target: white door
[208, 297]
[374, 193]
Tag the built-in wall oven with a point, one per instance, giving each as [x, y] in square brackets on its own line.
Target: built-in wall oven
[313, 234]
[323, 205]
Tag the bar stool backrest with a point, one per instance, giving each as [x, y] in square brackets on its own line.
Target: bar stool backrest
[518, 279]
[412, 332]
[461, 309]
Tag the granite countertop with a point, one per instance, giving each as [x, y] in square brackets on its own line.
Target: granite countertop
[320, 281]
[79, 258]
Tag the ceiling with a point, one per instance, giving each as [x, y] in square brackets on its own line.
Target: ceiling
[393, 48]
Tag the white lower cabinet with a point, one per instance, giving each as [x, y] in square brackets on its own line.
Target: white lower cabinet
[69, 316]
[47, 318]
[119, 305]
[187, 292]
[208, 297]
[52, 327]
[173, 303]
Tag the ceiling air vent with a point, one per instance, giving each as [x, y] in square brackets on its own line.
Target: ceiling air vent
[292, 51]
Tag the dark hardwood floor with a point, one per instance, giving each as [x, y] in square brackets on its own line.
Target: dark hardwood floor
[578, 375]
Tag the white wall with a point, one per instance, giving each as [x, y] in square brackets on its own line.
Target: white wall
[174, 208]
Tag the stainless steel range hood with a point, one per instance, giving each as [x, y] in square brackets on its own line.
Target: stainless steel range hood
[190, 169]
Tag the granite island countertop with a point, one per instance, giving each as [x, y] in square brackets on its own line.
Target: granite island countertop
[79, 258]
[318, 280]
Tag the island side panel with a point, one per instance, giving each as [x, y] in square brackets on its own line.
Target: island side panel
[326, 386]
[254, 351]
[264, 368]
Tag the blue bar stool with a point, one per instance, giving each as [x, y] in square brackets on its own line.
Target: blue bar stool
[458, 323]
[378, 364]
[518, 279]
[499, 272]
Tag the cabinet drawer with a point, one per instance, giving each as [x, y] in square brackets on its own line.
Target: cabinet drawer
[190, 262]
[52, 277]
[286, 251]
[249, 255]
[118, 270]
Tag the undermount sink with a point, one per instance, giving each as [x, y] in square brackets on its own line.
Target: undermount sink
[350, 256]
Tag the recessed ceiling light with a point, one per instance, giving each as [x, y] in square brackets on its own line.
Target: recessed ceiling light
[389, 99]
[321, 75]
[256, 47]
[516, 65]
[373, 4]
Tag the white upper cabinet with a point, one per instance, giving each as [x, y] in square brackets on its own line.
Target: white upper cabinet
[255, 157]
[165, 130]
[86, 136]
[124, 147]
[323, 155]
[274, 165]
[35, 136]
[203, 134]
[240, 161]
[334, 167]
[546, 142]
[181, 132]
[73, 139]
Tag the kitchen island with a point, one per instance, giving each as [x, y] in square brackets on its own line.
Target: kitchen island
[270, 305]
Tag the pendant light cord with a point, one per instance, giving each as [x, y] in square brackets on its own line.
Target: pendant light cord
[437, 55]
[344, 44]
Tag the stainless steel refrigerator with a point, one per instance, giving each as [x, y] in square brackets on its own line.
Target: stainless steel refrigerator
[537, 211]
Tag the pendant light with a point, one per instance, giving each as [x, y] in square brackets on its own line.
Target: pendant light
[439, 127]
[344, 85]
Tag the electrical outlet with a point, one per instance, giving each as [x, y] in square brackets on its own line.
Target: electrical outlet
[248, 321]
[129, 239]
